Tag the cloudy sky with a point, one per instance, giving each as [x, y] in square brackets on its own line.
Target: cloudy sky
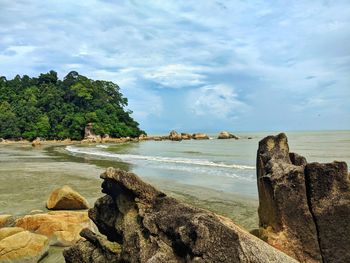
[195, 65]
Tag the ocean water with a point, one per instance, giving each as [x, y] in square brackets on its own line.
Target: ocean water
[222, 165]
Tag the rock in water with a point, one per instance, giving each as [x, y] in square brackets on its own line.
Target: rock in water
[66, 198]
[147, 226]
[227, 135]
[23, 247]
[200, 136]
[174, 136]
[328, 189]
[186, 136]
[303, 208]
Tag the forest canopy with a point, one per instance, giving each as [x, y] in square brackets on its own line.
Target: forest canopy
[51, 108]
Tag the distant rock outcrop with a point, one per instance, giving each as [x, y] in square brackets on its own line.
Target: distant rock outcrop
[36, 142]
[186, 136]
[65, 198]
[227, 135]
[200, 136]
[304, 209]
[142, 224]
[174, 136]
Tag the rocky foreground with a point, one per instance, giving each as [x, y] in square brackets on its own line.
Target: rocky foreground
[304, 208]
[138, 223]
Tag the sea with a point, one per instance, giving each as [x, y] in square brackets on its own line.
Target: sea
[221, 165]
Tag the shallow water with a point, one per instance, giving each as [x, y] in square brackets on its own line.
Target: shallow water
[222, 165]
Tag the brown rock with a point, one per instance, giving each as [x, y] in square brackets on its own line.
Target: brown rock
[200, 136]
[66, 198]
[61, 227]
[328, 188]
[9, 231]
[151, 227]
[36, 142]
[285, 219]
[6, 220]
[23, 247]
[226, 135]
[174, 136]
[186, 136]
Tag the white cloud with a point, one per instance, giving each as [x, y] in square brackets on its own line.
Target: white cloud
[220, 101]
[176, 75]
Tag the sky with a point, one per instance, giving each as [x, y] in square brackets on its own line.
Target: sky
[195, 65]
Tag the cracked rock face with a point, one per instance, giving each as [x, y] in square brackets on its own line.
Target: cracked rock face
[142, 224]
[303, 208]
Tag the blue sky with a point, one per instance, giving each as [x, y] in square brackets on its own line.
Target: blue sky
[195, 65]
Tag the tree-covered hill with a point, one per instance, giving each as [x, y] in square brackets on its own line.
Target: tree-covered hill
[57, 109]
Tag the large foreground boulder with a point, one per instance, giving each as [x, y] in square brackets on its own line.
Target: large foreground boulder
[23, 247]
[145, 225]
[9, 231]
[65, 198]
[61, 227]
[328, 189]
[304, 209]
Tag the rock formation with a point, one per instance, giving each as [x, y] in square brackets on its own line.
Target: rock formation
[9, 231]
[6, 220]
[89, 131]
[175, 136]
[65, 198]
[227, 135]
[142, 224]
[36, 142]
[328, 189]
[23, 247]
[200, 136]
[303, 208]
[60, 227]
[186, 136]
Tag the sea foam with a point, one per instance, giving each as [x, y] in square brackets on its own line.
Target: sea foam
[161, 159]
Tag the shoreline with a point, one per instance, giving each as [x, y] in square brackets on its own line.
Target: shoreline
[43, 166]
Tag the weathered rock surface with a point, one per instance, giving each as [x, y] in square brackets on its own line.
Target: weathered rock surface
[9, 231]
[200, 136]
[175, 136]
[65, 198]
[147, 226]
[23, 247]
[303, 208]
[61, 227]
[227, 135]
[328, 188]
[6, 220]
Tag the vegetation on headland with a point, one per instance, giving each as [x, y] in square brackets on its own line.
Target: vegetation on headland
[51, 108]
